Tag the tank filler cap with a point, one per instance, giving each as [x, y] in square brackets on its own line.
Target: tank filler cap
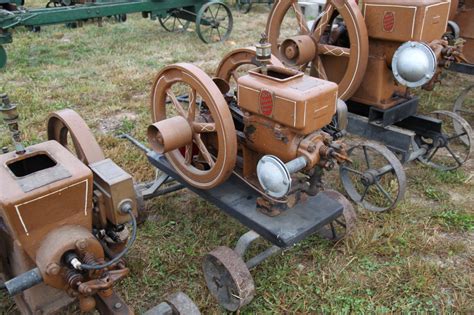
[414, 64]
[274, 176]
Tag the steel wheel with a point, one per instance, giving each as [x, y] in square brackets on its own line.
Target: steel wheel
[231, 65]
[214, 22]
[464, 107]
[3, 57]
[120, 18]
[70, 130]
[172, 23]
[244, 6]
[210, 158]
[228, 278]
[450, 149]
[338, 51]
[182, 304]
[346, 224]
[376, 179]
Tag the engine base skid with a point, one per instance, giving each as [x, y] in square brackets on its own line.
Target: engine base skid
[237, 199]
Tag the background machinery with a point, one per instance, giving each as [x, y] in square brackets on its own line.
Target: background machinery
[377, 52]
[213, 19]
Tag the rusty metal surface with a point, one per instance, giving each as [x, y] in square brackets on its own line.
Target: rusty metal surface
[182, 304]
[348, 213]
[351, 62]
[218, 125]
[112, 303]
[228, 278]
[67, 122]
[465, 19]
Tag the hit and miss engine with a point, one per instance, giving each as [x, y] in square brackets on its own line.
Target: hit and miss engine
[276, 141]
[62, 219]
[389, 46]
[462, 26]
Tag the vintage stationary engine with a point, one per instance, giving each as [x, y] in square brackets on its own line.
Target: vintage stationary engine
[461, 25]
[63, 217]
[375, 50]
[270, 133]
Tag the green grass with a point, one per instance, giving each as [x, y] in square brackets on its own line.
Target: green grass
[415, 259]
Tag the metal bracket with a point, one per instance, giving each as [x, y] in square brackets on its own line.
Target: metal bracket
[245, 241]
[153, 189]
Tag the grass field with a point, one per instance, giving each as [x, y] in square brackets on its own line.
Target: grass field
[417, 258]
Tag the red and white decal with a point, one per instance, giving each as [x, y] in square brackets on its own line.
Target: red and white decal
[266, 102]
[388, 21]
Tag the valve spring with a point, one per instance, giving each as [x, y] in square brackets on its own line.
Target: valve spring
[324, 150]
[73, 278]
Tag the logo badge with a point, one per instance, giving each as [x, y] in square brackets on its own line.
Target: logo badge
[388, 21]
[266, 102]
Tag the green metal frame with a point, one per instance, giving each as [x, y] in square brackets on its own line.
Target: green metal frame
[191, 10]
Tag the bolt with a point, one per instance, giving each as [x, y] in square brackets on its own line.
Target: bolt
[52, 269]
[117, 305]
[81, 244]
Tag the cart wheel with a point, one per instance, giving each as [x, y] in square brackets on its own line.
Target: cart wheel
[376, 179]
[228, 69]
[214, 22]
[452, 148]
[228, 278]
[120, 18]
[172, 23]
[244, 6]
[70, 130]
[345, 225]
[209, 158]
[331, 44]
[464, 107]
[182, 304]
[3, 57]
[53, 3]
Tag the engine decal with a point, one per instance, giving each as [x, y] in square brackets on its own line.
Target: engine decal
[266, 102]
[388, 21]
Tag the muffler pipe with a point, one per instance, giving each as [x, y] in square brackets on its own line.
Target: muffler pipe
[169, 134]
[23, 282]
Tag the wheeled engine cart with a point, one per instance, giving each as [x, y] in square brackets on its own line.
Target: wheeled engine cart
[226, 272]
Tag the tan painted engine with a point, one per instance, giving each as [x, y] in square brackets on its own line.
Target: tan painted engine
[62, 219]
[270, 133]
[374, 49]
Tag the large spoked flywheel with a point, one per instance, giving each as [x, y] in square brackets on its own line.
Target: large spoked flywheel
[205, 155]
[375, 179]
[70, 130]
[449, 149]
[335, 45]
[238, 62]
